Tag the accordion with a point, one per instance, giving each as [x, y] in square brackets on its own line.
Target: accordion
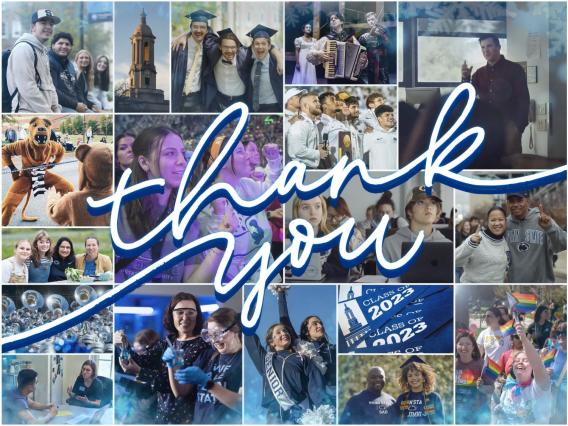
[345, 62]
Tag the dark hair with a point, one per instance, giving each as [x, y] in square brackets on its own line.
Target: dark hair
[337, 15]
[497, 312]
[57, 256]
[305, 335]
[117, 140]
[268, 337]
[492, 209]
[341, 207]
[381, 109]
[323, 96]
[93, 366]
[230, 36]
[386, 198]
[227, 317]
[26, 377]
[490, 36]
[372, 97]
[61, 35]
[168, 315]
[352, 100]
[476, 354]
[102, 79]
[147, 143]
[146, 337]
[538, 313]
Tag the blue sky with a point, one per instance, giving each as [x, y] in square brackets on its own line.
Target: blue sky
[303, 300]
[127, 15]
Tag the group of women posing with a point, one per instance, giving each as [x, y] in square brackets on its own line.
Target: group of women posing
[41, 262]
[93, 79]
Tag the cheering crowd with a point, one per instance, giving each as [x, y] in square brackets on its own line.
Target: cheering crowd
[511, 374]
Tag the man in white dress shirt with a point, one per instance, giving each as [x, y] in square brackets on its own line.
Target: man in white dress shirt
[303, 141]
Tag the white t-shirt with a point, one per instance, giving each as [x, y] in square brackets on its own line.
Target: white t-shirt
[494, 344]
[530, 404]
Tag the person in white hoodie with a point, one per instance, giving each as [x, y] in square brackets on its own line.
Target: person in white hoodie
[485, 255]
[31, 85]
[422, 211]
[381, 144]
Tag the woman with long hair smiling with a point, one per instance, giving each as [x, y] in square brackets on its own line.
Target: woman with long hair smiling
[40, 261]
[159, 152]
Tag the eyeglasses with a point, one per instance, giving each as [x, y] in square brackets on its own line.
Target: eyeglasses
[215, 336]
[190, 312]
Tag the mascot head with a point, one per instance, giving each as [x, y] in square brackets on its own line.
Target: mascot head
[95, 169]
[39, 130]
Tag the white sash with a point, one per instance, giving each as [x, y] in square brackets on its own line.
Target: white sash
[276, 386]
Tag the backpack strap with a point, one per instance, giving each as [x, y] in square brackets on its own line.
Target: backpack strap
[37, 76]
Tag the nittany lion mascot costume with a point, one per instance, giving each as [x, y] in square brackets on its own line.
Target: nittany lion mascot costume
[38, 154]
[95, 180]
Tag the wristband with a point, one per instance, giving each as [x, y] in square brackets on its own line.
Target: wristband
[209, 384]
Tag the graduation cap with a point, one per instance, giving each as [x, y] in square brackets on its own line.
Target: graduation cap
[200, 16]
[413, 358]
[226, 34]
[260, 31]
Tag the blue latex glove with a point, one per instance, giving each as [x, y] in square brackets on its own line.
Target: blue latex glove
[191, 376]
[169, 357]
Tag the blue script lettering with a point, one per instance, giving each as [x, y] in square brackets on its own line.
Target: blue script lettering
[443, 161]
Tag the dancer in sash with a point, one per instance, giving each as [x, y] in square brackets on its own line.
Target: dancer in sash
[292, 383]
[313, 341]
[419, 404]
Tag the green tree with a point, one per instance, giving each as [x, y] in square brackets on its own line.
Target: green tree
[78, 125]
[94, 125]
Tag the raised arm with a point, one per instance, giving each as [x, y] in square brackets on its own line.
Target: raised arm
[540, 375]
[283, 312]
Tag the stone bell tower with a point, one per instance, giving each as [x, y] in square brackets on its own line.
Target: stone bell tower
[142, 95]
[142, 69]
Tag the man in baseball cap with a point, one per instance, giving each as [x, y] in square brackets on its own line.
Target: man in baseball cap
[533, 238]
[45, 15]
[292, 106]
[28, 77]
[422, 210]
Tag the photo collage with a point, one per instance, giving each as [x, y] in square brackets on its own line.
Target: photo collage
[117, 268]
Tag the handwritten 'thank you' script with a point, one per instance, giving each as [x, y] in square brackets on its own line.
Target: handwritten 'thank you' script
[446, 156]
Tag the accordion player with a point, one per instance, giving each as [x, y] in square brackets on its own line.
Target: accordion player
[346, 61]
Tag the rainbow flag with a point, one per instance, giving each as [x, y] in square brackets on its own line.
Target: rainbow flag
[548, 358]
[467, 378]
[508, 329]
[491, 371]
[523, 302]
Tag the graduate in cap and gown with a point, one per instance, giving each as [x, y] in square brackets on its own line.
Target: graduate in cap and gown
[230, 80]
[189, 64]
[418, 404]
[267, 92]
